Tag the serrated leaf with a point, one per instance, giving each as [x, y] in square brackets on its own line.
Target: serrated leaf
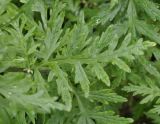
[113, 44]
[4, 118]
[147, 30]
[101, 74]
[121, 64]
[126, 41]
[106, 96]
[156, 109]
[85, 120]
[132, 16]
[63, 86]
[81, 77]
[149, 67]
[150, 92]
[103, 117]
[150, 8]
[50, 76]
[16, 93]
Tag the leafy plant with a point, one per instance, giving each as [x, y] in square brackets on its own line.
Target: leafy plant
[72, 62]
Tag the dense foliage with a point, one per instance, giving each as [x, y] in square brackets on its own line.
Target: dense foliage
[79, 61]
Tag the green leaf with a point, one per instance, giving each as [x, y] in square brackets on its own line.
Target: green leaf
[126, 41]
[101, 74]
[106, 96]
[52, 37]
[103, 117]
[147, 30]
[24, 1]
[156, 109]
[85, 120]
[40, 7]
[121, 64]
[149, 67]
[15, 89]
[150, 8]
[81, 77]
[4, 118]
[150, 93]
[50, 76]
[132, 16]
[63, 86]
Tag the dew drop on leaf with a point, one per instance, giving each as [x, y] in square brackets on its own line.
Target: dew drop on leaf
[9, 93]
[14, 86]
[97, 21]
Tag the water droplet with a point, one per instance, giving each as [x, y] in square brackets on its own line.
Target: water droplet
[33, 113]
[97, 21]
[28, 70]
[150, 65]
[14, 86]
[9, 93]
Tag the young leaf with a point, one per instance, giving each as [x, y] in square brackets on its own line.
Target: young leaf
[121, 64]
[81, 77]
[63, 86]
[101, 74]
[106, 96]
